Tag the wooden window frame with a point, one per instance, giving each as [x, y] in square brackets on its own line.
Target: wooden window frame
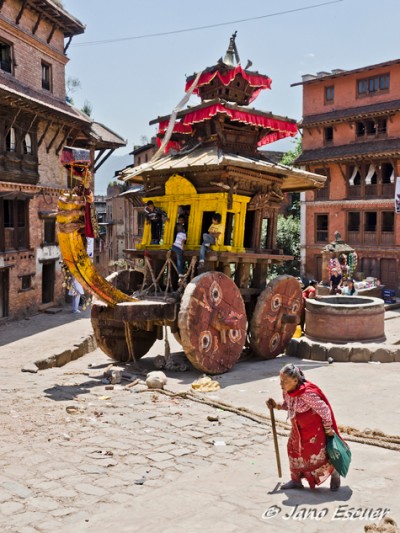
[318, 231]
[324, 193]
[363, 191]
[47, 72]
[18, 231]
[328, 90]
[328, 139]
[10, 63]
[378, 236]
[381, 81]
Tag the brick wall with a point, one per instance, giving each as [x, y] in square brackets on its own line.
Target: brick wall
[30, 50]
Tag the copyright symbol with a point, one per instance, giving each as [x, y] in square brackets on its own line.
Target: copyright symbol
[271, 512]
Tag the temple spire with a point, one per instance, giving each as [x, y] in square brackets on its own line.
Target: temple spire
[232, 53]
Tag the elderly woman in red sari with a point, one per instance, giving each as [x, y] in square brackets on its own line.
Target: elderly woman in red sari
[312, 420]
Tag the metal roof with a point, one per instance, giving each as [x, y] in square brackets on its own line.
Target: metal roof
[294, 179]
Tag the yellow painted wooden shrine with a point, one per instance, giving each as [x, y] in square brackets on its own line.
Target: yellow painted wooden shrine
[180, 192]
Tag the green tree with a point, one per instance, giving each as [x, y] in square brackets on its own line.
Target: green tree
[288, 240]
[288, 230]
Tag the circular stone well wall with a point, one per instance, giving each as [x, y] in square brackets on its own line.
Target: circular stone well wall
[341, 319]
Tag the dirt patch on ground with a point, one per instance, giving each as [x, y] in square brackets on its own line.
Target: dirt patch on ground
[387, 525]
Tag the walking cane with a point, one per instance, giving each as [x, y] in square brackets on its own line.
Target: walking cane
[278, 459]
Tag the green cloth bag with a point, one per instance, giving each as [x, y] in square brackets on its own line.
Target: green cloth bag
[339, 454]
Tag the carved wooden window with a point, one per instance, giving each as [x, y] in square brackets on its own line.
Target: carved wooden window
[6, 54]
[321, 228]
[328, 135]
[11, 140]
[373, 85]
[329, 94]
[323, 194]
[46, 76]
[49, 231]
[13, 224]
[27, 144]
[353, 227]
[387, 224]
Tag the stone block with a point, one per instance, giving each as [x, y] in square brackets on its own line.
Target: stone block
[304, 350]
[360, 354]
[318, 352]
[340, 354]
[383, 355]
[292, 347]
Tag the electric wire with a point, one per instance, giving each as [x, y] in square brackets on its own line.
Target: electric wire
[197, 28]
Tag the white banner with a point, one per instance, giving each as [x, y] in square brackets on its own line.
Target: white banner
[397, 196]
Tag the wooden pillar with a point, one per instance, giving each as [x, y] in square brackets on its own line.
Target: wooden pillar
[255, 243]
[260, 272]
[242, 275]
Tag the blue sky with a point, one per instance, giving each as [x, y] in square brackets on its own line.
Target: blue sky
[130, 82]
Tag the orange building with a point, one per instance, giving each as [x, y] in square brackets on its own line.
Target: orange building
[351, 134]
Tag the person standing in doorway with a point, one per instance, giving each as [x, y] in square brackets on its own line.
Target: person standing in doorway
[155, 216]
[178, 247]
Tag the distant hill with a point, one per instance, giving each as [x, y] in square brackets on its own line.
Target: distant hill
[106, 172]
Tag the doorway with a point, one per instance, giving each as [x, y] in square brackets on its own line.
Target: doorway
[48, 280]
[389, 273]
[4, 292]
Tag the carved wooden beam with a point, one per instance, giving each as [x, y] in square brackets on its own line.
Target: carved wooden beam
[48, 147]
[67, 45]
[393, 162]
[49, 123]
[12, 123]
[96, 167]
[32, 122]
[35, 27]
[21, 11]
[53, 29]
[73, 139]
[98, 156]
[66, 135]
[341, 171]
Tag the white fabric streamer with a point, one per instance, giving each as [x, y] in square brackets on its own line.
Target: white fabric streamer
[172, 119]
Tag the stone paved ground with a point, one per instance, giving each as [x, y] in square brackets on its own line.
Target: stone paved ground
[75, 457]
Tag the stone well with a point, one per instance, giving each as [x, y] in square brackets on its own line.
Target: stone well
[341, 319]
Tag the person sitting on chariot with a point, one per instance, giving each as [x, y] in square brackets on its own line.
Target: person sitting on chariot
[214, 236]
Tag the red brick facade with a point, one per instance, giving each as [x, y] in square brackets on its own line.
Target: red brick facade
[351, 133]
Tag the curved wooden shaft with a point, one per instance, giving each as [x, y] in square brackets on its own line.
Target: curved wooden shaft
[70, 220]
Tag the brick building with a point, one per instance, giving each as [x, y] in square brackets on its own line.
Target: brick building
[125, 212]
[36, 124]
[351, 134]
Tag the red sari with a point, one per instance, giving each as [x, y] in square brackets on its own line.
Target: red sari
[310, 412]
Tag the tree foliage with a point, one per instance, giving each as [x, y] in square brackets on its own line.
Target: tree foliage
[288, 230]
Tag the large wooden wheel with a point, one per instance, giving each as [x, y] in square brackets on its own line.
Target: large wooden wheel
[110, 334]
[275, 317]
[212, 322]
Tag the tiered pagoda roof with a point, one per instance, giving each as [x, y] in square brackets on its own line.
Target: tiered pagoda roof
[222, 118]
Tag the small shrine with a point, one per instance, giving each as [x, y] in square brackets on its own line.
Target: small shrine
[340, 256]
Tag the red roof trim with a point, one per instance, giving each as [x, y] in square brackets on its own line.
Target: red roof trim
[255, 80]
